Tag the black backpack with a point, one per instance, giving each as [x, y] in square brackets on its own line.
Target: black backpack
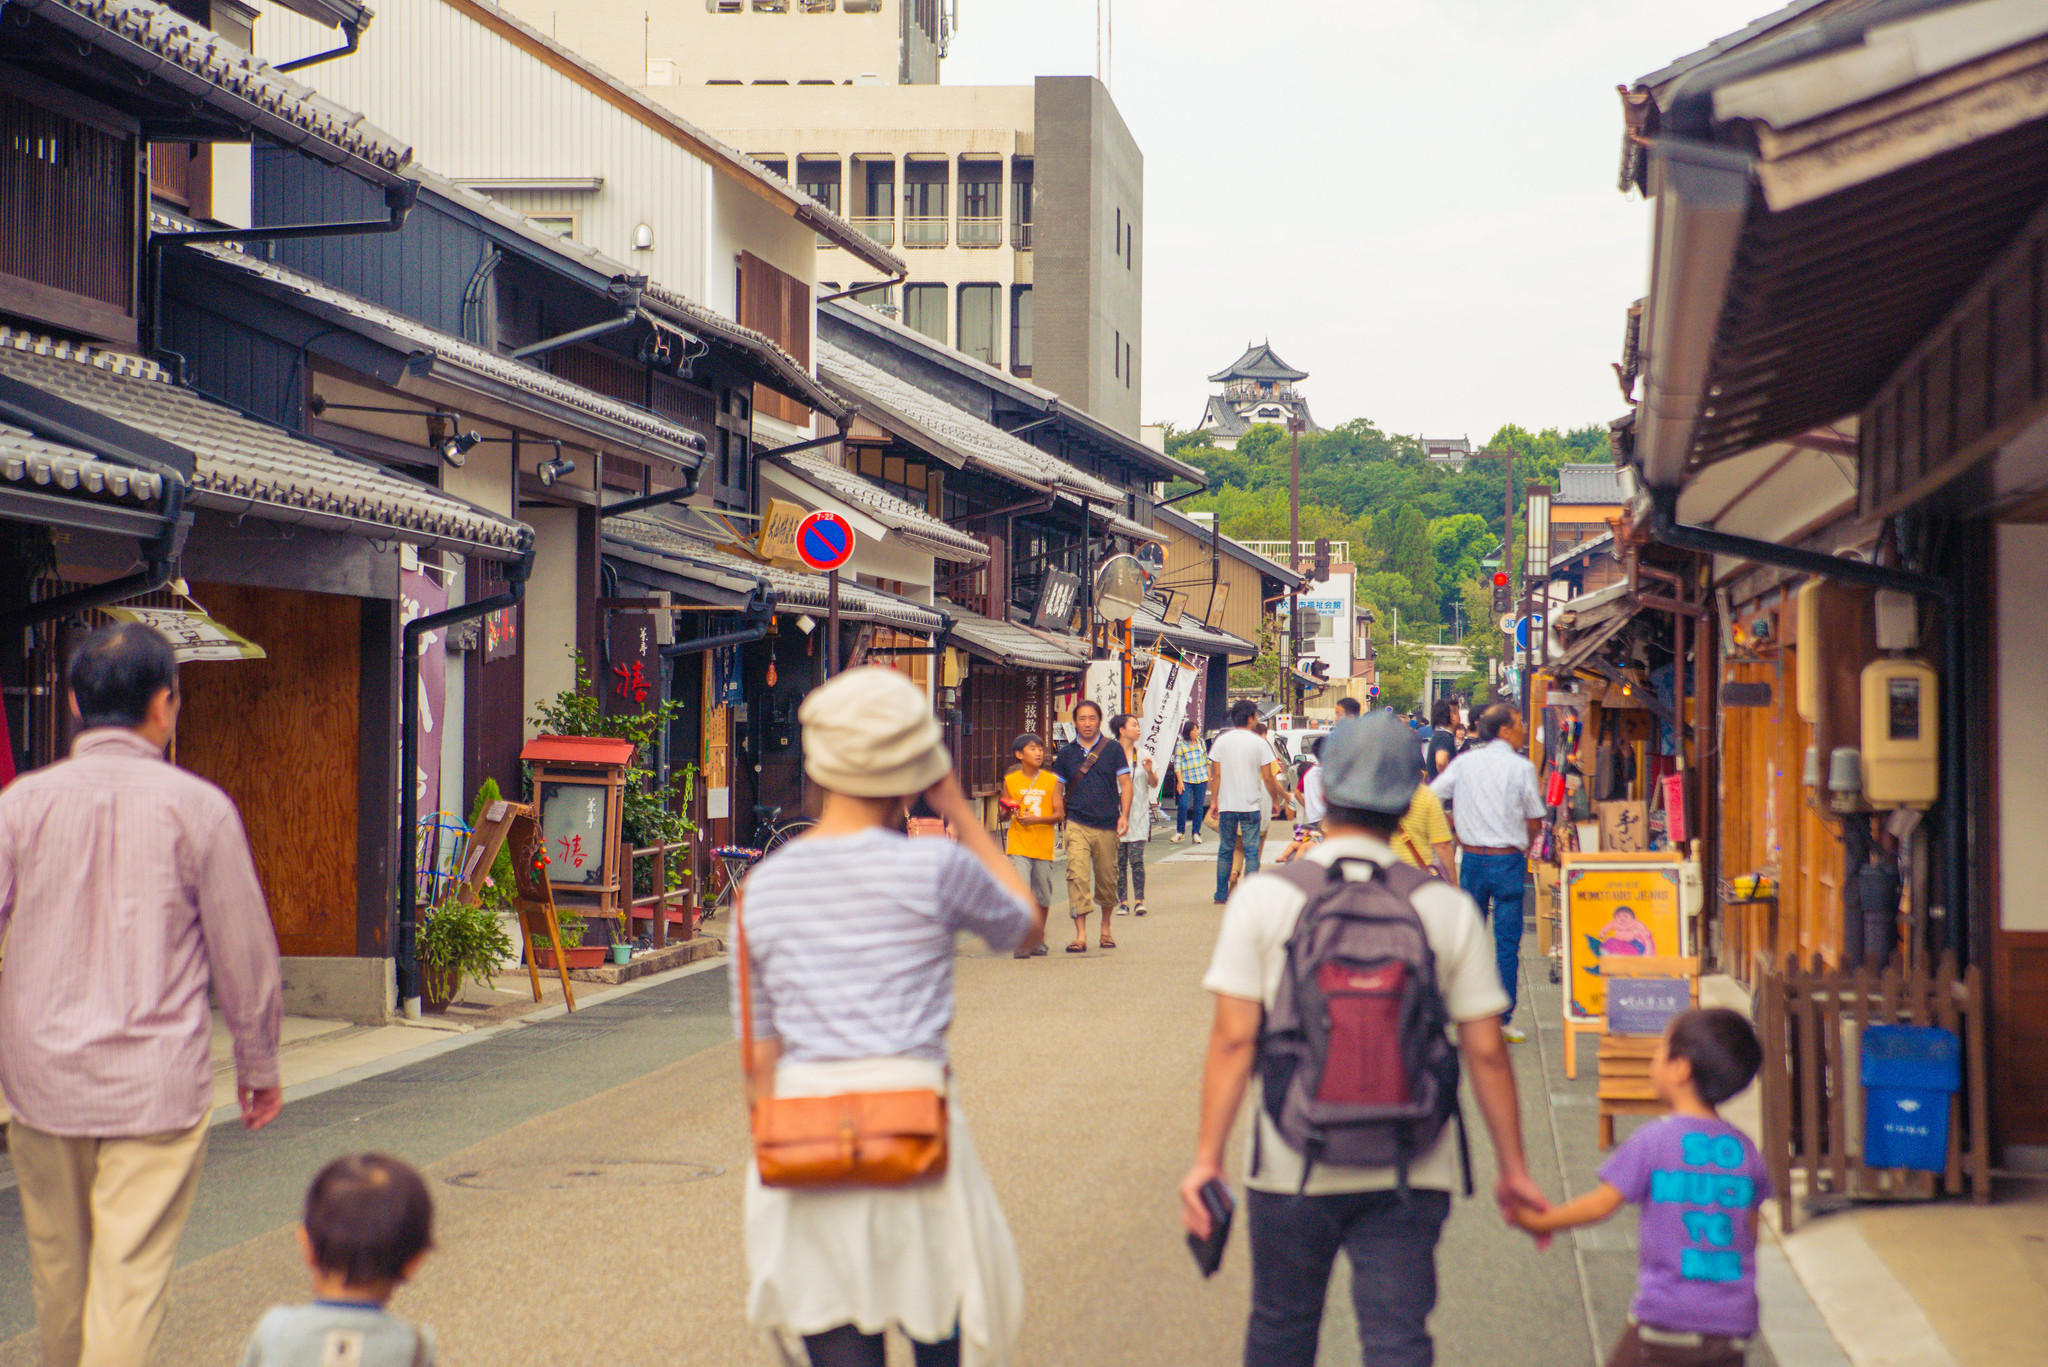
[1355, 1060]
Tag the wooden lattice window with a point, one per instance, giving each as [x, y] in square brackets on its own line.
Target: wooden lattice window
[70, 232]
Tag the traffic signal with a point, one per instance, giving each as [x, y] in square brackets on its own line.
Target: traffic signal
[1502, 601]
[1322, 558]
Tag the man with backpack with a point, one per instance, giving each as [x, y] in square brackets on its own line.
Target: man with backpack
[1336, 980]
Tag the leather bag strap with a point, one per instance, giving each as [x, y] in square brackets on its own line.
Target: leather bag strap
[739, 936]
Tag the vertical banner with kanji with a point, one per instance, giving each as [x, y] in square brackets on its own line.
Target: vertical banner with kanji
[632, 681]
[421, 594]
[1166, 705]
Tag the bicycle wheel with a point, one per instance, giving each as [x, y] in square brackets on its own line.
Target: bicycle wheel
[783, 834]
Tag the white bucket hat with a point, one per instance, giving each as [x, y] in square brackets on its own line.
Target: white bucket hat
[871, 733]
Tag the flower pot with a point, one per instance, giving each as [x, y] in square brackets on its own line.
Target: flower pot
[622, 953]
[438, 987]
[581, 956]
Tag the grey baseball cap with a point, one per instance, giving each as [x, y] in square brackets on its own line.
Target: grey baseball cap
[1371, 763]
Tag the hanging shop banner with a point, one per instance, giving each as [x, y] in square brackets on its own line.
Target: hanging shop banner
[633, 675]
[1166, 706]
[193, 635]
[501, 635]
[1056, 598]
[1103, 685]
[1616, 905]
[421, 594]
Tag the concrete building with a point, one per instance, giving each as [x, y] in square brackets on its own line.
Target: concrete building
[1450, 452]
[757, 42]
[1258, 387]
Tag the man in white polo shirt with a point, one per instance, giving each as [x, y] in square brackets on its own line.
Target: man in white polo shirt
[1497, 811]
[1368, 768]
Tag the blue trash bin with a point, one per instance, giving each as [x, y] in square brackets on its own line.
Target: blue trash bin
[1910, 1075]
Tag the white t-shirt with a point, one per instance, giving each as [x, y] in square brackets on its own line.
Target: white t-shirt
[1251, 954]
[1314, 805]
[1239, 755]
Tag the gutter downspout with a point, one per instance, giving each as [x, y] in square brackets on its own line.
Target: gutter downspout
[353, 35]
[760, 606]
[398, 202]
[626, 319]
[160, 561]
[516, 574]
[1664, 527]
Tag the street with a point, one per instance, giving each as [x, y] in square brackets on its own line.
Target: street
[585, 1171]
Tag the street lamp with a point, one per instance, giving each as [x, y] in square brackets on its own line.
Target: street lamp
[1538, 535]
[1535, 593]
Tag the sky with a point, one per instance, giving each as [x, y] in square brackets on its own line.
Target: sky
[1414, 202]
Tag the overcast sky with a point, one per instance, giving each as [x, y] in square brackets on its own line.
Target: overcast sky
[1415, 202]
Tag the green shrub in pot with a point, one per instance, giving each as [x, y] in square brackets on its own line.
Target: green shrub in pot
[464, 939]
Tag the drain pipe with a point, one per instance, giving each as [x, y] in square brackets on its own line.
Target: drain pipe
[353, 37]
[160, 567]
[629, 315]
[760, 606]
[516, 573]
[1664, 527]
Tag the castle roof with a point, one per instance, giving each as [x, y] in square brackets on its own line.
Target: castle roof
[1258, 363]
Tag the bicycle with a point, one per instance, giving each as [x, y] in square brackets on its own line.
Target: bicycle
[735, 861]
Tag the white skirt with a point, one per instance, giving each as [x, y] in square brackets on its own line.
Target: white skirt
[926, 1257]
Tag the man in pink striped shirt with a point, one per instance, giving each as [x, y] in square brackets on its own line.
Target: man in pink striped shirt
[127, 886]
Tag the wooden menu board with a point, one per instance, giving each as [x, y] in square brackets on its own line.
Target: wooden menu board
[512, 824]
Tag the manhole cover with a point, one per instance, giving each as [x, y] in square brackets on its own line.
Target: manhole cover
[567, 1174]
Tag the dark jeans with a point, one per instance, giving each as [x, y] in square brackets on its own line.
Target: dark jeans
[1392, 1245]
[1130, 870]
[847, 1346]
[1496, 882]
[1193, 799]
[1230, 828]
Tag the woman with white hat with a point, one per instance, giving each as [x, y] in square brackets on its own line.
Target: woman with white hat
[846, 953]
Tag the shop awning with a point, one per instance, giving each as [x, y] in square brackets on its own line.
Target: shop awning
[1012, 645]
[953, 436]
[439, 356]
[721, 578]
[903, 519]
[187, 83]
[242, 465]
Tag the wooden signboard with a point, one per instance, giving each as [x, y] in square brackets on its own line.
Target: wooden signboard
[1615, 906]
[512, 823]
[579, 784]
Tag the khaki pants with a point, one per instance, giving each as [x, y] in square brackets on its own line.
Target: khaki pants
[1090, 850]
[103, 1218]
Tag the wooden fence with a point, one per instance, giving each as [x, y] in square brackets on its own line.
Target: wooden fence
[1811, 1023]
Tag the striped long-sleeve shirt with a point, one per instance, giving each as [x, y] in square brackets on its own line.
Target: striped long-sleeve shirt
[850, 942]
[126, 891]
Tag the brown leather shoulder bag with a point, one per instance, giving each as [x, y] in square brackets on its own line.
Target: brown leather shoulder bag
[859, 1139]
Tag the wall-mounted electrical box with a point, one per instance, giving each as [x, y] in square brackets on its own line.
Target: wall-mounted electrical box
[1811, 678]
[1901, 733]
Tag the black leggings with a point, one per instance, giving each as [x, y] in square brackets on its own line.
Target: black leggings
[1130, 869]
[847, 1346]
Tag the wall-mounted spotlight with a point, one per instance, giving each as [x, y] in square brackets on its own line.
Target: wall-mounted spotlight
[454, 445]
[554, 468]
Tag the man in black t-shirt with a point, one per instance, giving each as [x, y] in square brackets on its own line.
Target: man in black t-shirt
[1443, 746]
[1095, 782]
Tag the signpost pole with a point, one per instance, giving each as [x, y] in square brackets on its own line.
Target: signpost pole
[832, 629]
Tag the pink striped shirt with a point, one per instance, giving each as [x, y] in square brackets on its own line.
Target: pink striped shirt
[129, 890]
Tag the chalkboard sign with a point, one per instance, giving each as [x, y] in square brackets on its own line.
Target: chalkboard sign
[1644, 1006]
[572, 822]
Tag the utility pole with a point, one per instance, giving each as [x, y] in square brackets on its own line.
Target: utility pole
[1294, 426]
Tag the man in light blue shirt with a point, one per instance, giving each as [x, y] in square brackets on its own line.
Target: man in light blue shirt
[1497, 812]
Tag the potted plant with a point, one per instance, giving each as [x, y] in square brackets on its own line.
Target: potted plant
[459, 940]
[579, 955]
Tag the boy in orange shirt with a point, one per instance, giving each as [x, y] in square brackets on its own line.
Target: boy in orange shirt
[1032, 798]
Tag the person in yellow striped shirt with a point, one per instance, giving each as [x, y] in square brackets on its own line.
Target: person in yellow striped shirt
[1424, 839]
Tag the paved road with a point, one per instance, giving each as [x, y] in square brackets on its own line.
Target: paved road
[586, 1169]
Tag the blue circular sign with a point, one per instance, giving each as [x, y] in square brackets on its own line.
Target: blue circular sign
[824, 541]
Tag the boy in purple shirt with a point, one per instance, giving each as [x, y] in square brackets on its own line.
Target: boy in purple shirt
[1699, 1182]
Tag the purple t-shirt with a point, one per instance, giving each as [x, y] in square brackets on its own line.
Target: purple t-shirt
[1697, 1181]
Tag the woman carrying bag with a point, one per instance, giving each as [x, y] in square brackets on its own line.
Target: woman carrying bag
[866, 1205]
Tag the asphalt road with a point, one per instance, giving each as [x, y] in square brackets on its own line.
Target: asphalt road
[586, 1175]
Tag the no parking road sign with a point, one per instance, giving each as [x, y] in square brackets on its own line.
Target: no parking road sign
[824, 541]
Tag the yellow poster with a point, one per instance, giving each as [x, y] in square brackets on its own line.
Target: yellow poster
[1616, 906]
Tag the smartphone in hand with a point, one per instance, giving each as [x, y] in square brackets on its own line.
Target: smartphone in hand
[1209, 1252]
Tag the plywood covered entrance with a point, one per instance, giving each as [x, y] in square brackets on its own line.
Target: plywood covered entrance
[281, 736]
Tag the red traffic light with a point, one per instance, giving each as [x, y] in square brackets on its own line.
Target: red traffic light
[1500, 579]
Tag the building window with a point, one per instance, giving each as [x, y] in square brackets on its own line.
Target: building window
[818, 7]
[780, 306]
[1116, 241]
[561, 225]
[1127, 365]
[880, 298]
[725, 6]
[1021, 170]
[1130, 244]
[818, 177]
[1116, 355]
[771, 6]
[779, 165]
[724, 82]
[981, 203]
[925, 180]
[876, 179]
[863, 6]
[1020, 329]
[924, 309]
[980, 320]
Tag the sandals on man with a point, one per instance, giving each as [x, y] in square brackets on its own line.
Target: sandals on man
[1107, 943]
[1078, 947]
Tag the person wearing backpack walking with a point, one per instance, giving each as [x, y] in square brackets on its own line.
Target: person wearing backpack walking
[1336, 980]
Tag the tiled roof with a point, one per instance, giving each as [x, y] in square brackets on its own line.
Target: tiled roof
[1591, 484]
[244, 465]
[1223, 419]
[664, 438]
[1007, 643]
[26, 458]
[906, 519]
[966, 437]
[1603, 542]
[795, 375]
[1190, 634]
[796, 589]
[166, 46]
[1258, 363]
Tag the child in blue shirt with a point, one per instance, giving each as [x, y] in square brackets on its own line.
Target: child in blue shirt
[1699, 1183]
[367, 1228]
